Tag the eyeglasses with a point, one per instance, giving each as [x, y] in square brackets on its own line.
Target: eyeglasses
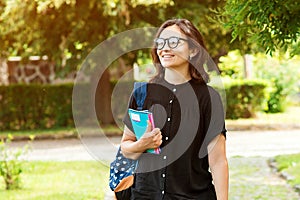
[172, 42]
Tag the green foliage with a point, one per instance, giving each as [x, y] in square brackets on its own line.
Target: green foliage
[244, 98]
[280, 71]
[289, 164]
[64, 30]
[272, 25]
[277, 98]
[35, 106]
[53, 28]
[200, 13]
[232, 65]
[11, 164]
[283, 75]
[67, 30]
[286, 161]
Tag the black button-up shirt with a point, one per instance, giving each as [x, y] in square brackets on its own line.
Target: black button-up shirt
[189, 115]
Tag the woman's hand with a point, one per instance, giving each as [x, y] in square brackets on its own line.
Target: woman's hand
[132, 148]
[152, 138]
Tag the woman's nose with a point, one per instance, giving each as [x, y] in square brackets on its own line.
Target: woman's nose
[166, 46]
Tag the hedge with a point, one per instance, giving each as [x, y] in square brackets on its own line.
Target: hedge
[50, 106]
[35, 106]
[244, 98]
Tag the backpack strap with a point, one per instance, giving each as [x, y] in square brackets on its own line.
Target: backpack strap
[140, 93]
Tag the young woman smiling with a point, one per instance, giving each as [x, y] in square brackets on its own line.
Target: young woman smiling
[189, 119]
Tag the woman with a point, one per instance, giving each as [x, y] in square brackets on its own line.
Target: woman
[189, 119]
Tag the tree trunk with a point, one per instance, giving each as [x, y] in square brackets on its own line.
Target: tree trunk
[216, 58]
[248, 66]
[103, 99]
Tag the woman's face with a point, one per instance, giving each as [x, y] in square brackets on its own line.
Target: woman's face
[173, 57]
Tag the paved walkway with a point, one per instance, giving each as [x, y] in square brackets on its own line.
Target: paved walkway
[263, 143]
[239, 143]
[250, 144]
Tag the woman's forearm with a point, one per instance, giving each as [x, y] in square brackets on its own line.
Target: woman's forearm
[131, 149]
[219, 166]
[220, 178]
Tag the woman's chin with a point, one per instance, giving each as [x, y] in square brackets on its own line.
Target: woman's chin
[165, 65]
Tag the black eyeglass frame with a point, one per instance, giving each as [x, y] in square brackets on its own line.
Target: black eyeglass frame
[168, 40]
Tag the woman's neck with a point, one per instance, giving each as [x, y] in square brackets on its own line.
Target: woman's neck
[176, 77]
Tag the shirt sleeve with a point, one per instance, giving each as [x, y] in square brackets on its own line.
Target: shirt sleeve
[214, 120]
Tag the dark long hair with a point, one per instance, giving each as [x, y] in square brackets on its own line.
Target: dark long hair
[197, 62]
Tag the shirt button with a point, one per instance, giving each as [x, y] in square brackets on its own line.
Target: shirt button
[167, 138]
[163, 192]
[165, 157]
[174, 90]
[163, 175]
[169, 119]
[171, 101]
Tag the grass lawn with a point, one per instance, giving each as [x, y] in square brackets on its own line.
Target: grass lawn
[252, 179]
[82, 180]
[290, 164]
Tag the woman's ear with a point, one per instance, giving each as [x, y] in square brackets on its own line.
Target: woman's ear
[193, 52]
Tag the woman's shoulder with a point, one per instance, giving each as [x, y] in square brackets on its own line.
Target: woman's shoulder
[157, 90]
[203, 90]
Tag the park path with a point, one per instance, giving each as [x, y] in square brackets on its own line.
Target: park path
[247, 151]
[239, 143]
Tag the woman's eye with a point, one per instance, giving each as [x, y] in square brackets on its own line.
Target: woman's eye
[173, 42]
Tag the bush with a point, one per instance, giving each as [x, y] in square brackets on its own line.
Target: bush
[35, 106]
[11, 164]
[277, 98]
[282, 73]
[244, 98]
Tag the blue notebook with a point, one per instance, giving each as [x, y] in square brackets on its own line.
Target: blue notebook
[139, 120]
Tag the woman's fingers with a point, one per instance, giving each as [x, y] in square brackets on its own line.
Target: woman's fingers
[152, 138]
[156, 131]
[149, 126]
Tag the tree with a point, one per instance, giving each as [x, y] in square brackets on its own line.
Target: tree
[271, 25]
[67, 30]
[200, 12]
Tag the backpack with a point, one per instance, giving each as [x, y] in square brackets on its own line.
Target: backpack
[122, 169]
